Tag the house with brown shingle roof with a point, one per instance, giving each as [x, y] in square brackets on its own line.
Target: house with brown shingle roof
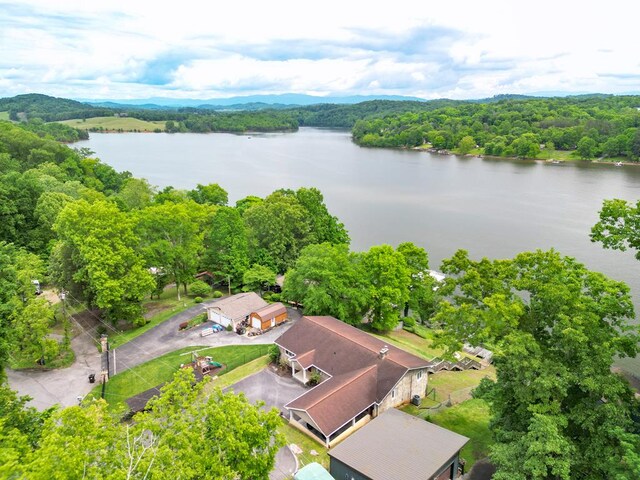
[360, 376]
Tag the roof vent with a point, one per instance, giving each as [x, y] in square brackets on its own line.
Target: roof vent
[383, 351]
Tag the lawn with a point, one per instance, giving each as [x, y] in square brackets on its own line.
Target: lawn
[419, 343]
[471, 419]
[4, 115]
[127, 124]
[150, 374]
[156, 311]
[306, 444]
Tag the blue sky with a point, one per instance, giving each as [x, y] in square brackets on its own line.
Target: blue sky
[116, 49]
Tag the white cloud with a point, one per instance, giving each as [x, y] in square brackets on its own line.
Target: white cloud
[468, 49]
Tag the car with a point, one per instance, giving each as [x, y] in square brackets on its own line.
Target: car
[217, 328]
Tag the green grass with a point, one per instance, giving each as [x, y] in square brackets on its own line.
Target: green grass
[152, 373]
[126, 124]
[306, 444]
[158, 310]
[239, 373]
[471, 419]
[4, 115]
[420, 343]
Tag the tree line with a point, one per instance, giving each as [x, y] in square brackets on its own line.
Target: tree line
[594, 126]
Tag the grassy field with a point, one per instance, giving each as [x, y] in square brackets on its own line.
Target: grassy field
[471, 419]
[4, 115]
[150, 374]
[114, 124]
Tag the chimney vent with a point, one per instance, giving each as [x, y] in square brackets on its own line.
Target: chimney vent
[383, 351]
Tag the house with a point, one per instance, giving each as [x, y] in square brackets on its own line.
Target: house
[399, 446]
[269, 316]
[359, 377]
[312, 471]
[234, 309]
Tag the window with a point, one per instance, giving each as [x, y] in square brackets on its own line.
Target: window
[393, 393]
[288, 353]
[419, 376]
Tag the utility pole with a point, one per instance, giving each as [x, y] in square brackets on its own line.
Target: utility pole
[229, 283]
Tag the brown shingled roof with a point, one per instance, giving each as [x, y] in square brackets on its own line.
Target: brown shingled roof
[360, 375]
[337, 400]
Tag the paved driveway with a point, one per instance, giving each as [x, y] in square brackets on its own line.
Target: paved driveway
[63, 386]
[274, 391]
[166, 338]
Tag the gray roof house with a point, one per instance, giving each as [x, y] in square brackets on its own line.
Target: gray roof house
[234, 309]
[398, 446]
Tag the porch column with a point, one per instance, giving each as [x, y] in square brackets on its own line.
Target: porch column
[304, 375]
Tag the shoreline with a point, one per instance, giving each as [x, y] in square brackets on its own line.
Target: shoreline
[433, 151]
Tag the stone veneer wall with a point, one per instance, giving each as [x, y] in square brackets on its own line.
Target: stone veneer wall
[405, 389]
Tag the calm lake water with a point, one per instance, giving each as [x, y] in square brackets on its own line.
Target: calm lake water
[492, 208]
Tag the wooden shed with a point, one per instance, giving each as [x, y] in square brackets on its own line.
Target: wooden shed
[269, 316]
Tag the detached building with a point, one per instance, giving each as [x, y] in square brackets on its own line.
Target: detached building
[269, 316]
[360, 377]
[398, 446]
[234, 309]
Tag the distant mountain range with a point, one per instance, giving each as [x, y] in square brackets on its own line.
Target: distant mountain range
[250, 102]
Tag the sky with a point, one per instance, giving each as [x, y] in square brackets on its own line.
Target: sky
[128, 49]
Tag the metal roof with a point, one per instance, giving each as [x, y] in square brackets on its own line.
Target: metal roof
[399, 446]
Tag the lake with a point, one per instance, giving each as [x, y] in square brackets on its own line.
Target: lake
[493, 208]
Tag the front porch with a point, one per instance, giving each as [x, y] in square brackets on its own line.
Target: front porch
[302, 422]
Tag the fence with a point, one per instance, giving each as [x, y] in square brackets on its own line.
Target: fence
[452, 398]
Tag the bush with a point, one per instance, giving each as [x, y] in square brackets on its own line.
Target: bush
[229, 328]
[198, 300]
[267, 296]
[199, 288]
[183, 325]
[275, 297]
[217, 294]
[274, 353]
[409, 322]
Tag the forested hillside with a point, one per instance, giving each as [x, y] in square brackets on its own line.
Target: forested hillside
[593, 125]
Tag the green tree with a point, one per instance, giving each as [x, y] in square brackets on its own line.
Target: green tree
[212, 194]
[245, 203]
[587, 148]
[280, 227]
[97, 250]
[555, 328]
[171, 239]
[226, 245]
[466, 144]
[388, 278]
[328, 280]
[258, 278]
[619, 226]
[135, 194]
[422, 287]
[324, 226]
